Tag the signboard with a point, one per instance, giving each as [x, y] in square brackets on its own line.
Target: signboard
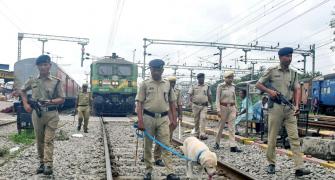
[4, 66]
[6, 74]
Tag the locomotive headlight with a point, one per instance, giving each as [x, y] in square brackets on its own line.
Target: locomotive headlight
[100, 83]
[115, 83]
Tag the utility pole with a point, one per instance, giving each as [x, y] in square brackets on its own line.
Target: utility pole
[191, 76]
[253, 69]
[313, 60]
[304, 55]
[134, 51]
[144, 54]
[245, 55]
[175, 70]
[43, 40]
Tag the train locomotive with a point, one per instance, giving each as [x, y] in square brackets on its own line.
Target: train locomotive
[113, 86]
[26, 68]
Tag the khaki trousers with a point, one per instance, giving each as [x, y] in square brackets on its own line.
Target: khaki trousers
[200, 122]
[228, 114]
[158, 149]
[83, 114]
[277, 115]
[45, 128]
[159, 128]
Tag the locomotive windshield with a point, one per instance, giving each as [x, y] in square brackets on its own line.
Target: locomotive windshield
[124, 70]
[105, 70]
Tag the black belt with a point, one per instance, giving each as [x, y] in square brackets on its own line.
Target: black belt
[155, 115]
[201, 104]
[82, 105]
[46, 109]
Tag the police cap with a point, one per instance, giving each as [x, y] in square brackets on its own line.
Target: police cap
[43, 59]
[172, 78]
[200, 75]
[157, 63]
[285, 51]
[228, 73]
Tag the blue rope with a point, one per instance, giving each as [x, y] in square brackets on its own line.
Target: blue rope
[161, 144]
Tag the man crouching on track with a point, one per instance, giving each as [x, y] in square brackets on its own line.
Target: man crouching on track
[47, 90]
[200, 153]
[154, 97]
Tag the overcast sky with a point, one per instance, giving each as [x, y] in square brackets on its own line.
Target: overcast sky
[120, 26]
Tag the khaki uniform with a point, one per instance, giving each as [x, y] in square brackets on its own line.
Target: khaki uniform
[46, 125]
[155, 97]
[199, 101]
[84, 108]
[226, 105]
[158, 149]
[284, 80]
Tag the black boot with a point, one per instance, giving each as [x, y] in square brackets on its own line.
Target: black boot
[159, 163]
[85, 131]
[235, 149]
[216, 146]
[147, 176]
[40, 169]
[271, 169]
[47, 170]
[301, 172]
[172, 177]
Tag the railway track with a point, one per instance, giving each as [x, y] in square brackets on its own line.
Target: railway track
[7, 123]
[121, 161]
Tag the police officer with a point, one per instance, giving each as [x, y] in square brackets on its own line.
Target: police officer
[285, 80]
[48, 91]
[154, 99]
[83, 107]
[226, 107]
[158, 151]
[200, 96]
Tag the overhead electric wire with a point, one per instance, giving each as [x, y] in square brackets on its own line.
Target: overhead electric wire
[255, 19]
[285, 23]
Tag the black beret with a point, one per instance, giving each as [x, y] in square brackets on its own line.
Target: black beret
[43, 59]
[157, 63]
[201, 75]
[285, 51]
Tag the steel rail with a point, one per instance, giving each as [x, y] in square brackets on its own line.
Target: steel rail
[106, 150]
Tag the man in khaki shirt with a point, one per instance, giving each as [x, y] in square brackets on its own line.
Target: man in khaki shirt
[158, 149]
[47, 91]
[83, 107]
[285, 80]
[226, 107]
[154, 99]
[200, 96]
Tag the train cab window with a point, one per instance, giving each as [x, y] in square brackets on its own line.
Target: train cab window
[105, 69]
[328, 90]
[124, 70]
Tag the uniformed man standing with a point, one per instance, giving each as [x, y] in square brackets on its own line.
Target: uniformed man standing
[200, 96]
[285, 80]
[48, 91]
[158, 149]
[226, 107]
[154, 99]
[83, 105]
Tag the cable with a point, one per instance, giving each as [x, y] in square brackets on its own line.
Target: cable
[286, 22]
[294, 18]
[255, 19]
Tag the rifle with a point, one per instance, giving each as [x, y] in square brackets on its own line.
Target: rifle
[279, 99]
[36, 106]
